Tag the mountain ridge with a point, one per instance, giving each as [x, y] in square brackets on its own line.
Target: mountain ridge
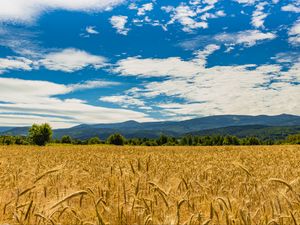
[211, 124]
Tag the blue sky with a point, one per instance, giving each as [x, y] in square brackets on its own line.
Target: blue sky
[69, 62]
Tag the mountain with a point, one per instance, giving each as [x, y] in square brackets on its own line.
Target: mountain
[16, 131]
[261, 131]
[3, 129]
[230, 124]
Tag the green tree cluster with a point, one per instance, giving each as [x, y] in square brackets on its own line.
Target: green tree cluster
[40, 134]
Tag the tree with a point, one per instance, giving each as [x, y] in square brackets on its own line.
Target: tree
[94, 141]
[294, 139]
[66, 139]
[40, 134]
[116, 139]
[251, 141]
[163, 139]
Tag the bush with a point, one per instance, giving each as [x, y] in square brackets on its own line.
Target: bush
[251, 141]
[294, 139]
[94, 141]
[40, 134]
[116, 139]
[66, 140]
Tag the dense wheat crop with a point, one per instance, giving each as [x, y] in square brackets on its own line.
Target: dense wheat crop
[150, 185]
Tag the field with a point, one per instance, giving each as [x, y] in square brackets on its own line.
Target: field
[150, 185]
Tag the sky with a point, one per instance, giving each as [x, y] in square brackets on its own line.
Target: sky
[68, 62]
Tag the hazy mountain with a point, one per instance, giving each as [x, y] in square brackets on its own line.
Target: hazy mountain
[3, 129]
[234, 124]
[261, 131]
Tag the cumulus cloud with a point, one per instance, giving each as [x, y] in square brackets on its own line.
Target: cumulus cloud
[241, 89]
[185, 15]
[249, 2]
[91, 30]
[287, 57]
[247, 38]
[66, 60]
[123, 100]
[291, 8]
[91, 84]
[258, 16]
[294, 33]
[70, 60]
[119, 23]
[15, 63]
[27, 11]
[36, 101]
[145, 8]
[173, 66]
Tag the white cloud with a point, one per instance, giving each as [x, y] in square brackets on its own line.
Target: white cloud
[36, 101]
[210, 2]
[294, 33]
[27, 11]
[247, 38]
[123, 100]
[173, 66]
[70, 60]
[240, 89]
[291, 8]
[258, 16]
[207, 16]
[91, 84]
[66, 60]
[185, 15]
[287, 57]
[145, 8]
[119, 23]
[15, 63]
[249, 2]
[91, 30]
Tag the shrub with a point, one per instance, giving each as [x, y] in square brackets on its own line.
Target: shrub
[294, 139]
[116, 139]
[94, 141]
[66, 140]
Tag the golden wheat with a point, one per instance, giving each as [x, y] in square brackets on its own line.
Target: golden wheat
[150, 185]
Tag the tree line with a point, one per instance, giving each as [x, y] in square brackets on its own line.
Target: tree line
[42, 135]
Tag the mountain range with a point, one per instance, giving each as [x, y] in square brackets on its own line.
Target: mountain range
[274, 127]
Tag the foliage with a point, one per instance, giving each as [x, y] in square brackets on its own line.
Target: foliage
[294, 139]
[116, 139]
[40, 134]
[94, 141]
[66, 139]
[13, 140]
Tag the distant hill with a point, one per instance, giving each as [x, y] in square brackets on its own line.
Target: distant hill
[3, 129]
[16, 131]
[261, 131]
[225, 124]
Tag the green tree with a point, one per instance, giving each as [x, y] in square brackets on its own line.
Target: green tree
[66, 139]
[251, 141]
[40, 134]
[8, 140]
[162, 140]
[116, 139]
[294, 139]
[94, 141]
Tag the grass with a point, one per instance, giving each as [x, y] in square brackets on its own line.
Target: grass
[150, 185]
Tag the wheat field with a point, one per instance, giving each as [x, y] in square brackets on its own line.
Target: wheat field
[149, 185]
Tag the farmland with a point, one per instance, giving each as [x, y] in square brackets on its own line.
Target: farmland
[150, 185]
